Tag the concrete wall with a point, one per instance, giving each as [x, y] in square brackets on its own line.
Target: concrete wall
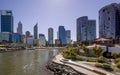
[111, 49]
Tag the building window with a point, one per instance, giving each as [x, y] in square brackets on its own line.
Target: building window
[103, 10]
[109, 18]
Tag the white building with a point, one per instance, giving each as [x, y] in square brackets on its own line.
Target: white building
[30, 41]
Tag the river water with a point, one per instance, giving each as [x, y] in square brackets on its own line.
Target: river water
[26, 62]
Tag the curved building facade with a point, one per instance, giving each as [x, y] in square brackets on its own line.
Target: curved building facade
[109, 21]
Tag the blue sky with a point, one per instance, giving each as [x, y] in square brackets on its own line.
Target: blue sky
[52, 13]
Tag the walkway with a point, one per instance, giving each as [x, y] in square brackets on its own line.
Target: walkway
[80, 66]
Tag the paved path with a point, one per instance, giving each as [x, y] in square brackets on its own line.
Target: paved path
[80, 66]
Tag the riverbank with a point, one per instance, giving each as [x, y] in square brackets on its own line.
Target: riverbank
[10, 49]
[48, 47]
[34, 48]
[61, 69]
[80, 67]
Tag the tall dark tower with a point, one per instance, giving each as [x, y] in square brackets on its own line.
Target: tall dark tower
[50, 36]
[36, 31]
[6, 21]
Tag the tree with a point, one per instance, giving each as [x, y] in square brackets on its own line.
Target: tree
[86, 50]
[97, 51]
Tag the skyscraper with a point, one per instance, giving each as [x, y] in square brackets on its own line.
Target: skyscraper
[19, 28]
[68, 36]
[42, 40]
[85, 28]
[62, 35]
[27, 34]
[109, 21]
[91, 30]
[36, 31]
[6, 21]
[50, 36]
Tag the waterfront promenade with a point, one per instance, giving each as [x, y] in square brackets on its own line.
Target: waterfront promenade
[80, 66]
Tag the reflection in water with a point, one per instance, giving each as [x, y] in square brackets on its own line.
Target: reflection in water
[26, 62]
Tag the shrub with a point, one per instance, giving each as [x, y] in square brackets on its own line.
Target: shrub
[86, 50]
[117, 60]
[78, 58]
[97, 51]
[116, 55]
[106, 66]
[118, 65]
[71, 54]
[98, 65]
[91, 60]
[102, 59]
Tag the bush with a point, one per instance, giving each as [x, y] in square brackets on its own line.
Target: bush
[78, 58]
[117, 60]
[106, 66]
[116, 55]
[97, 51]
[91, 60]
[118, 65]
[98, 65]
[102, 59]
[86, 50]
[71, 54]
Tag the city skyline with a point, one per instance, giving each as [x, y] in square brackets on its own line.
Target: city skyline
[52, 13]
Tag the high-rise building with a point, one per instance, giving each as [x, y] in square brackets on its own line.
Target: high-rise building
[42, 40]
[91, 30]
[109, 21]
[50, 36]
[85, 28]
[5, 37]
[19, 28]
[27, 34]
[62, 35]
[36, 31]
[16, 38]
[68, 36]
[6, 21]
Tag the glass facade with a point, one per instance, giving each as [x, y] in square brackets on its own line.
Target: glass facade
[6, 21]
[16, 38]
[86, 29]
[36, 32]
[68, 36]
[42, 40]
[5, 37]
[109, 21]
[50, 36]
[62, 35]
